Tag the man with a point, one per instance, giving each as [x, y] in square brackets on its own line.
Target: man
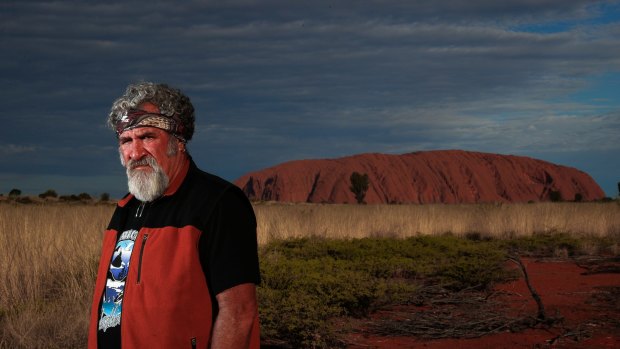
[179, 261]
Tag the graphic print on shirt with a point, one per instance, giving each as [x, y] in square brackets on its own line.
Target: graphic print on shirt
[115, 284]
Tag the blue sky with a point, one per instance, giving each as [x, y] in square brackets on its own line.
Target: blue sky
[276, 80]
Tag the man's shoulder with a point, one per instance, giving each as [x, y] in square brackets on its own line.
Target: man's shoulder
[209, 185]
[210, 180]
[209, 191]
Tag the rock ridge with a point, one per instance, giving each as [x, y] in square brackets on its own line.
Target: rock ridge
[439, 176]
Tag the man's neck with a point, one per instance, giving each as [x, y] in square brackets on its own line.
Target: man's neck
[178, 174]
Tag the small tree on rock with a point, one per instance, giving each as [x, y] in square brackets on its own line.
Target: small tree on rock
[555, 196]
[359, 186]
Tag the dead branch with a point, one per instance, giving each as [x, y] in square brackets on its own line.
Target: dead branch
[542, 315]
[464, 314]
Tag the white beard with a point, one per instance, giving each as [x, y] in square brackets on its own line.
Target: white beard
[146, 185]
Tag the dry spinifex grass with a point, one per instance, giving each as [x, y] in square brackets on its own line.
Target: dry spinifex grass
[48, 257]
[281, 221]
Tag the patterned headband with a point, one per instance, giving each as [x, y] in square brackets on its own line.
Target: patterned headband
[136, 118]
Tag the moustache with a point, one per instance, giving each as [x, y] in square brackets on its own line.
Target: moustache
[146, 161]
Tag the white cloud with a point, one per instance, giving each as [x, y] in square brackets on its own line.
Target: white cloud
[15, 149]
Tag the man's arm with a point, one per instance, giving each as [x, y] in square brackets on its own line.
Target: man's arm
[235, 320]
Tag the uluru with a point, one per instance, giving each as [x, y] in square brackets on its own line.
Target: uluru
[440, 176]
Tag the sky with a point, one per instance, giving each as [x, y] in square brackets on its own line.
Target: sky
[280, 80]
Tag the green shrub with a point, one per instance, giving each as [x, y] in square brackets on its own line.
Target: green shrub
[543, 244]
[475, 267]
[309, 282]
[295, 319]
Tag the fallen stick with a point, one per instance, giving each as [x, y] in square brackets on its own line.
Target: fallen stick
[542, 315]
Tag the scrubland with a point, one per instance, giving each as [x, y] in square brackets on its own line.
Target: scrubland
[318, 261]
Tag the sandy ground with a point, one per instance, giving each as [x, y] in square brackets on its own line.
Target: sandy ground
[584, 293]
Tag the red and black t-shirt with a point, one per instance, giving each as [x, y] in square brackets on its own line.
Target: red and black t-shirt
[226, 246]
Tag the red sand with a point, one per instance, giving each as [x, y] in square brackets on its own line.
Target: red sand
[564, 291]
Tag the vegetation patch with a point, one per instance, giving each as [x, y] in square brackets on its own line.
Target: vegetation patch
[309, 282]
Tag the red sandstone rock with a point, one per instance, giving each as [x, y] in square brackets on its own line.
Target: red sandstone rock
[444, 176]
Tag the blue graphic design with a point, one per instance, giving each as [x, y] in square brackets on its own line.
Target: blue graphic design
[111, 305]
[120, 260]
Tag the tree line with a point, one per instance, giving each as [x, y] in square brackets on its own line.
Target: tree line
[52, 194]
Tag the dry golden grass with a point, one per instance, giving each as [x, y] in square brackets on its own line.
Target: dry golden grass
[282, 221]
[48, 257]
[49, 253]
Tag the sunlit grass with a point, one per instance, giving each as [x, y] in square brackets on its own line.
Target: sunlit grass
[283, 221]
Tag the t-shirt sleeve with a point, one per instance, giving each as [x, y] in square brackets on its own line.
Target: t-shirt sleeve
[228, 246]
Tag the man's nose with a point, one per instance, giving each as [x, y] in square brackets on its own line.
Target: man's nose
[136, 150]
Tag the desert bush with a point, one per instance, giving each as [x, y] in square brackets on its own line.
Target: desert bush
[555, 196]
[562, 245]
[544, 244]
[23, 200]
[84, 197]
[309, 282]
[68, 198]
[50, 193]
[15, 193]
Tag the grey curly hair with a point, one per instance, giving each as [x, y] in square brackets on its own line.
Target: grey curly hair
[170, 101]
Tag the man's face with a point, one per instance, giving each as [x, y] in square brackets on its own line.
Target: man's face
[139, 143]
[152, 159]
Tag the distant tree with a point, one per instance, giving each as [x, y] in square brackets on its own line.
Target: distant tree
[359, 186]
[619, 189]
[71, 197]
[104, 197]
[555, 196]
[84, 196]
[578, 197]
[15, 192]
[50, 193]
